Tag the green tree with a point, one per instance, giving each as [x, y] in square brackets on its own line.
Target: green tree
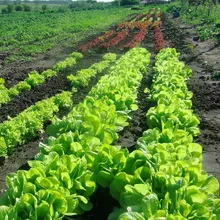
[116, 2]
[27, 8]
[4, 11]
[129, 2]
[10, 8]
[18, 8]
[44, 7]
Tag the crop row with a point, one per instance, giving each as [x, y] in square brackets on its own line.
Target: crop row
[139, 37]
[25, 126]
[158, 36]
[65, 173]
[34, 78]
[163, 178]
[143, 25]
[118, 38]
[140, 23]
[98, 40]
[135, 24]
[82, 77]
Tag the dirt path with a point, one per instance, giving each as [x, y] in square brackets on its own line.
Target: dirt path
[204, 59]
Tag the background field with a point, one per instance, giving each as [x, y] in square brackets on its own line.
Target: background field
[24, 35]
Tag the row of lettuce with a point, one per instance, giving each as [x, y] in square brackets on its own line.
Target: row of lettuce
[30, 122]
[72, 162]
[161, 179]
[34, 78]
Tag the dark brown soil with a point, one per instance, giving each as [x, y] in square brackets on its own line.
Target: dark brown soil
[18, 71]
[102, 206]
[204, 59]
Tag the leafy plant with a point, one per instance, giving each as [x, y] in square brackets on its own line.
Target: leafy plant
[216, 75]
[13, 92]
[34, 78]
[63, 100]
[82, 77]
[76, 55]
[22, 86]
[110, 57]
[165, 117]
[138, 38]
[48, 73]
[159, 40]
[115, 41]
[2, 81]
[68, 62]
[4, 94]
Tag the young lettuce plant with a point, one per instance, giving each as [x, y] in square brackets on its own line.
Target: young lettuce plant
[4, 95]
[34, 78]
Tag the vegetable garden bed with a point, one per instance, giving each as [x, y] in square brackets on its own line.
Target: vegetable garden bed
[79, 160]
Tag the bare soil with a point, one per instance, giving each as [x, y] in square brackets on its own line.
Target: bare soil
[204, 59]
